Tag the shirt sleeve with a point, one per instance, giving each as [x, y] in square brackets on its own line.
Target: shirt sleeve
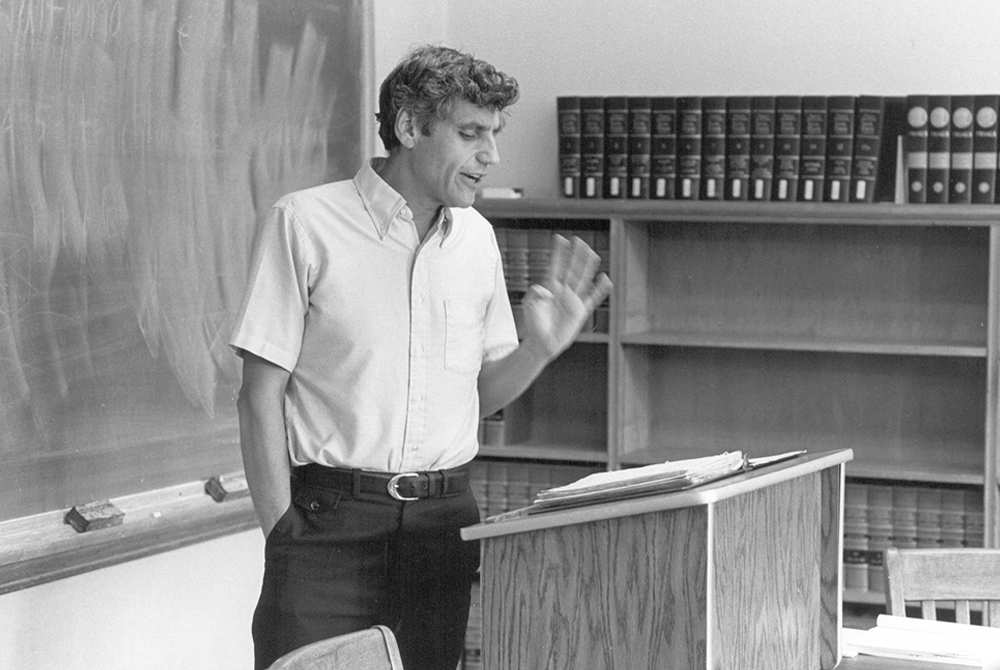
[271, 319]
[499, 329]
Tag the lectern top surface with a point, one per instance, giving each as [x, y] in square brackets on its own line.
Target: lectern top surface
[701, 495]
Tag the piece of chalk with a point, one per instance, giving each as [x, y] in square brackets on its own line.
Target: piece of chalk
[94, 515]
[227, 487]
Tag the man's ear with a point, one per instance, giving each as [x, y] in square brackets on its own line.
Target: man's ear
[406, 129]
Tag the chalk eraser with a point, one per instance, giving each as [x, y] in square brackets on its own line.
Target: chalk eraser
[94, 515]
[227, 487]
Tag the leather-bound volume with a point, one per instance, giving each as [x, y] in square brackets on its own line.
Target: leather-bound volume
[761, 146]
[615, 146]
[915, 148]
[960, 164]
[713, 147]
[568, 114]
[984, 149]
[812, 156]
[737, 147]
[839, 147]
[787, 146]
[639, 146]
[688, 148]
[592, 147]
[663, 148]
[938, 147]
[869, 119]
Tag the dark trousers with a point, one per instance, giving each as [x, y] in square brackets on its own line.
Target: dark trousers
[335, 564]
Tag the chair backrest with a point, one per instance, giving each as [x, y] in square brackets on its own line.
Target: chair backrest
[371, 649]
[948, 577]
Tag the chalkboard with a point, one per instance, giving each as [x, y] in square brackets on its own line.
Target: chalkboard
[140, 142]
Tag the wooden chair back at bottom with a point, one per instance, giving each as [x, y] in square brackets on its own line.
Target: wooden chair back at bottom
[371, 649]
[950, 577]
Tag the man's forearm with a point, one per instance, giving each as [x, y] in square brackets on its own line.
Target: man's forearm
[265, 464]
[263, 441]
[502, 381]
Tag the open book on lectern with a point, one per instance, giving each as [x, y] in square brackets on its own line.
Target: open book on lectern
[658, 478]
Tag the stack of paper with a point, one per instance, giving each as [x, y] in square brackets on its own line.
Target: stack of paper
[933, 641]
[646, 480]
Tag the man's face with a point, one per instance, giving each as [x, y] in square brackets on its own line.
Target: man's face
[452, 160]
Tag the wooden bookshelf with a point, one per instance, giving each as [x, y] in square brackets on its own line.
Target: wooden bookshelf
[768, 327]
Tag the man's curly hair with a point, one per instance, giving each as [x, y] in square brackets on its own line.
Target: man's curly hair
[430, 79]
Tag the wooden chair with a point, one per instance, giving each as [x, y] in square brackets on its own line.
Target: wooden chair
[944, 576]
[371, 649]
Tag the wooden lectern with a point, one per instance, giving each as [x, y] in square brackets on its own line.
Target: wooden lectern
[738, 574]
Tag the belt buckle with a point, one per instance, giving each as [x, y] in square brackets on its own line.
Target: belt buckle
[393, 486]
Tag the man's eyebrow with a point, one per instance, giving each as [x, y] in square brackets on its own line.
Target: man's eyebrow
[481, 127]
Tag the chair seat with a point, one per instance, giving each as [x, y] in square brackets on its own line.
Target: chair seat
[371, 649]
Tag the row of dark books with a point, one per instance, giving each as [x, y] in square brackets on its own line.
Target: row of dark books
[838, 148]
[784, 148]
[950, 149]
[882, 515]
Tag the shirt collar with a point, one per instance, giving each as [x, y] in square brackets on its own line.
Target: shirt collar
[382, 201]
[384, 204]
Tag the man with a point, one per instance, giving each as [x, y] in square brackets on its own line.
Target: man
[375, 332]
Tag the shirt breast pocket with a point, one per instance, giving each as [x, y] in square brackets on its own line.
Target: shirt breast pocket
[464, 321]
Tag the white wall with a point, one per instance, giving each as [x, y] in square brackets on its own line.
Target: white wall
[397, 27]
[187, 608]
[722, 47]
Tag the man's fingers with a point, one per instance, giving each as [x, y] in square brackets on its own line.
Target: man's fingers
[583, 265]
[559, 254]
[574, 265]
[599, 291]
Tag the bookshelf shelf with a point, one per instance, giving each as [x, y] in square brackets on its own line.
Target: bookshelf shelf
[545, 452]
[667, 211]
[863, 597]
[789, 343]
[944, 473]
[769, 327]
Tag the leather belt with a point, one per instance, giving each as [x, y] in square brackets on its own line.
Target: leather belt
[402, 486]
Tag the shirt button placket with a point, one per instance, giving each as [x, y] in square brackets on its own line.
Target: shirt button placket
[419, 333]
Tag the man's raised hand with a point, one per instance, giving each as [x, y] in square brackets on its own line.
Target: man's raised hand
[556, 310]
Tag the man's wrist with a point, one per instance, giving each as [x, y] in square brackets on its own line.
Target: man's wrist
[537, 352]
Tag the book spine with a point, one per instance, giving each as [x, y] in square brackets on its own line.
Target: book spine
[713, 148]
[592, 147]
[639, 147]
[960, 164]
[938, 147]
[688, 148]
[812, 161]
[787, 146]
[761, 147]
[839, 147]
[663, 148]
[868, 123]
[737, 147]
[984, 149]
[568, 110]
[915, 148]
[855, 536]
[615, 146]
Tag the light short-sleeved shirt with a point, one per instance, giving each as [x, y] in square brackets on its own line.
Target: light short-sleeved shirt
[384, 336]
